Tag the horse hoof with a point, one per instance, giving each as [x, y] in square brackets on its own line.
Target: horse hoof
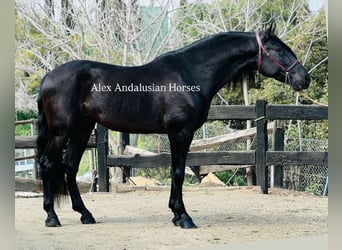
[183, 221]
[88, 219]
[187, 224]
[52, 222]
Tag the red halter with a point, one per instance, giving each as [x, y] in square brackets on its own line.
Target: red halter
[263, 49]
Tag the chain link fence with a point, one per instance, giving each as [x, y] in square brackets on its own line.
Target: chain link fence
[309, 178]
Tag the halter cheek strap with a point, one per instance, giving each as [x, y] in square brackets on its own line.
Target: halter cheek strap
[275, 61]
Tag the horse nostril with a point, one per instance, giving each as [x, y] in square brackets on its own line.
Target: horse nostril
[307, 80]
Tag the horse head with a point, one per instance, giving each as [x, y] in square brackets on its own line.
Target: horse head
[277, 60]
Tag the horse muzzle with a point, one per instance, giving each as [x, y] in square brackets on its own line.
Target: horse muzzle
[302, 83]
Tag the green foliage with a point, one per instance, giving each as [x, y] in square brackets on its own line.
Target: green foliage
[146, 142]
[85, 163]
[317, 130]
[281, 10]
[273, 92]
[211, 129]
[317, 62]
[22, 115]
[232, 178]
[315, 186]
[24, 129]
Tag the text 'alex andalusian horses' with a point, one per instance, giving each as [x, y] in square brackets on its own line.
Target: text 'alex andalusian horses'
[170, 95]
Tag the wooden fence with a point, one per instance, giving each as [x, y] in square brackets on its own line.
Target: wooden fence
[261, 157]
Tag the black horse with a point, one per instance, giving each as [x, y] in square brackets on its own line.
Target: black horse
[170, 95]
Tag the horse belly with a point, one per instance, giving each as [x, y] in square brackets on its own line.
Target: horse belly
[132, 124]
[125, 113]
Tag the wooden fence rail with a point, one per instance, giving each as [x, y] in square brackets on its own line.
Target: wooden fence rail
[27, 142]
[193, 159]
[273, 112]
[296, 158]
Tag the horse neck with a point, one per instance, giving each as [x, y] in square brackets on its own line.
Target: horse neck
[217, 62]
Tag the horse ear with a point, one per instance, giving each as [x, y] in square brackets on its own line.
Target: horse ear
[271, 30]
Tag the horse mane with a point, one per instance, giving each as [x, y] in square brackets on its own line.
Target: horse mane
[213, 40]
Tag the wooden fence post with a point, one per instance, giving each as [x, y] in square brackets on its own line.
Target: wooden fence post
[262, 146]
[102, 152]
[277, 145]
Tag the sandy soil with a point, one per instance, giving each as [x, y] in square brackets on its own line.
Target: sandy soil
[142, 220]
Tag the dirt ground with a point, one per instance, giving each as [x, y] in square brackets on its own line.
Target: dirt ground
[142, 220]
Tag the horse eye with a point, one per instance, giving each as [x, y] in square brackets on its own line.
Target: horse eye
[275, 49]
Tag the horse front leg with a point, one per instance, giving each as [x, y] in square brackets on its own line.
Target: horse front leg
[179, 143]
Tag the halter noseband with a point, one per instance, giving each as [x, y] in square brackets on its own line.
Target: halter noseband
[263, 49]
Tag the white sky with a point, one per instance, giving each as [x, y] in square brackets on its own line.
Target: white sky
[315, 5]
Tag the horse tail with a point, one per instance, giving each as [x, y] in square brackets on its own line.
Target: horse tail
[42, 139]
[52, 173]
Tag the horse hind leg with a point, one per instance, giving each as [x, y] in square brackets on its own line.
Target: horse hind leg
[53, 177]
[77, 145]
